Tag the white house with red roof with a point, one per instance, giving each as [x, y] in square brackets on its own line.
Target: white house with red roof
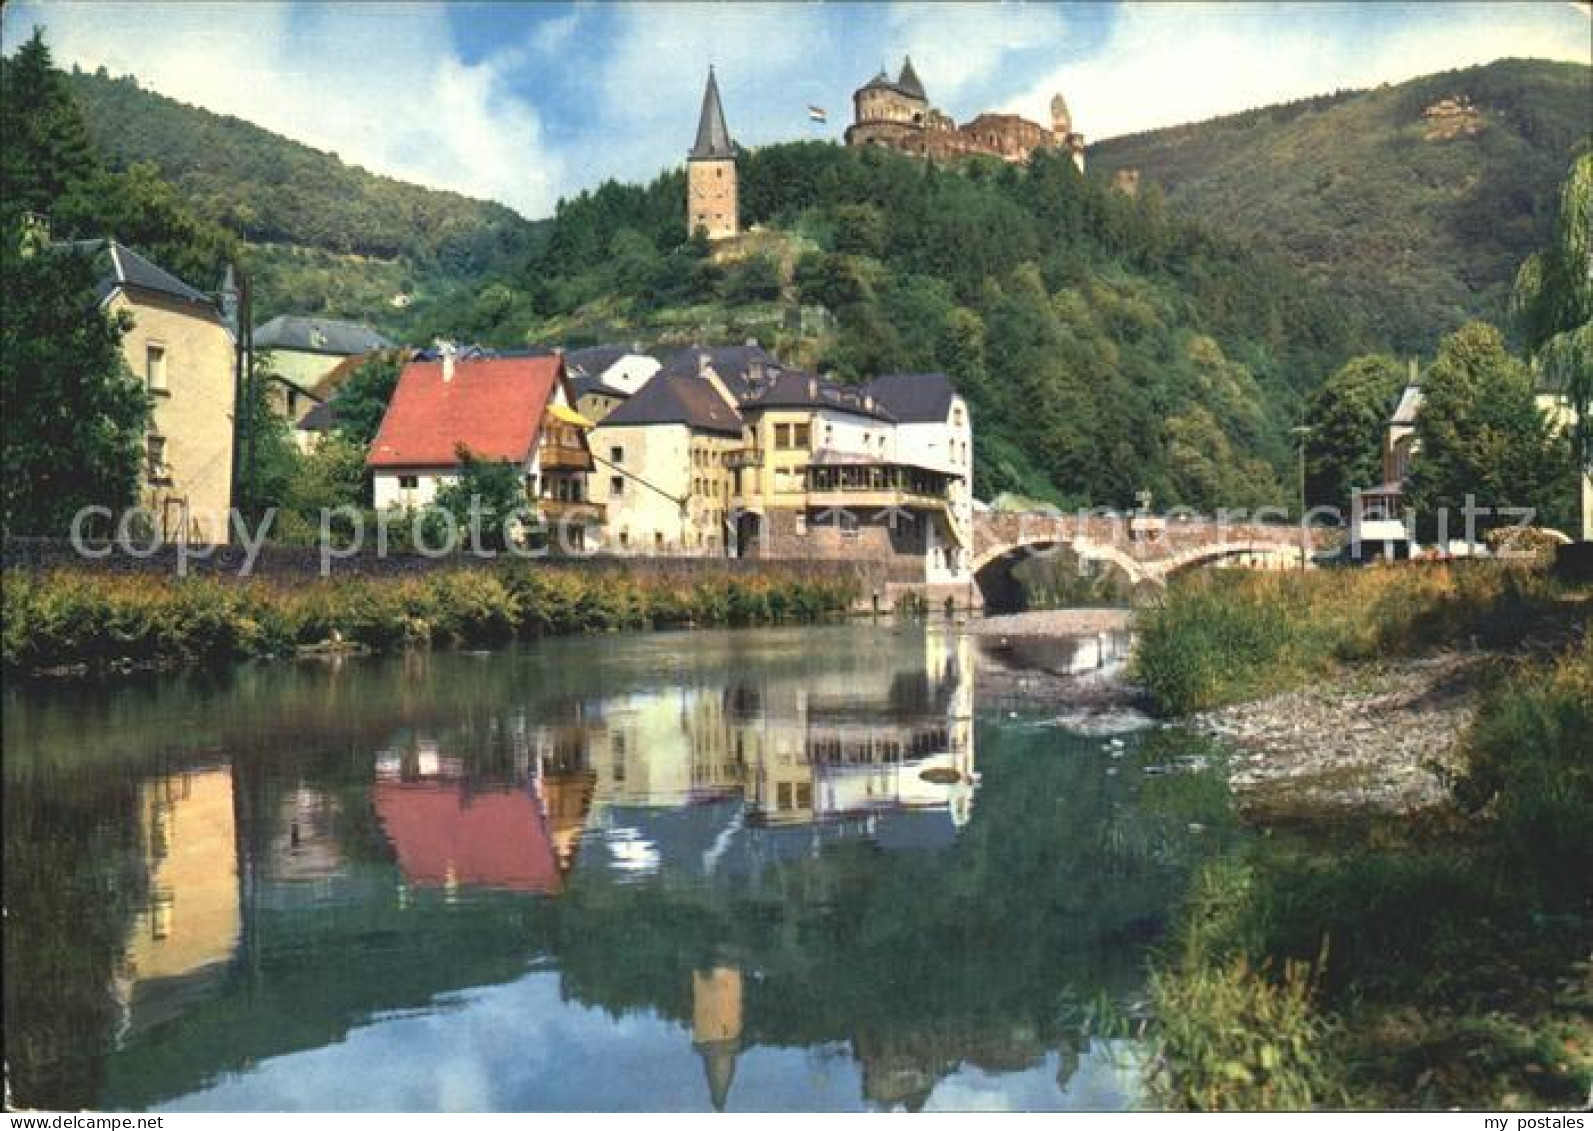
[517, 410]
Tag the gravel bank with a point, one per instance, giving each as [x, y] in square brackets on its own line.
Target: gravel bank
[1372, 740]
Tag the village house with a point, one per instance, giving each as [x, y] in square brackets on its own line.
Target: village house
[180, 345]
[603, 377]
[662, 467]
[517, 409]
[306, 352]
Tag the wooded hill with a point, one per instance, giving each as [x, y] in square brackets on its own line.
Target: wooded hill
[1417, 202]
[325, 237]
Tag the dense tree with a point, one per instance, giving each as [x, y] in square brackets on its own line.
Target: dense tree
[490, 489]
[1482, 437]
[47, 151]
[267, 458]
[74, 414]
[1554, 309]
[362, 400]
[1347, 418]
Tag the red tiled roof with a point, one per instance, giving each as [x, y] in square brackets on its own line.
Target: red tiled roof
[486, 838]
[493, 406]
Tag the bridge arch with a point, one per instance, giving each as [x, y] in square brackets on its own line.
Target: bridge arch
[1002, 592]
[1284, 555]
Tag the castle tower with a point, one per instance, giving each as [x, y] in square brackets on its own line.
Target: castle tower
[1061, 119]
[711, 171]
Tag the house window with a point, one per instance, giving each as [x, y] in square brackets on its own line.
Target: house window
[155, 458]
[625, 544]
[155, 367]
[408, 482]
[616, 486]
[658, 539]
[616, 455]
[782, 436]
[802, 435]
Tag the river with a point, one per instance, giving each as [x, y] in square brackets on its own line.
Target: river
[794, 868]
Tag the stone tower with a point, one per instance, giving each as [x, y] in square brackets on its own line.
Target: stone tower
[711, 171]
[1061, 119]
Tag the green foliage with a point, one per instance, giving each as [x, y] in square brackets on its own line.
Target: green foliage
[1554, 309]
[1347, 418]
[1482, 436]
[74, 416]
[1226, 637]
[1418, 231]
[1527, 764]
[267, 458]
[309, 213]
[487, 497]
[98, 621]
[47, 151]
[362, 400]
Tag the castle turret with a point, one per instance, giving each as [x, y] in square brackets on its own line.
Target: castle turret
[1061, 119]
[908, 82]
[711, 171]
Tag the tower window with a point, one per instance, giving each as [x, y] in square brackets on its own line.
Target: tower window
[155, 367]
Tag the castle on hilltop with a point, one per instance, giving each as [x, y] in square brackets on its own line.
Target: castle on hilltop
[898, 115]
[711, 202]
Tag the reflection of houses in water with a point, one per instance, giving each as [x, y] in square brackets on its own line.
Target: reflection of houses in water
[705, 779]
[448, 830]
[181, 942]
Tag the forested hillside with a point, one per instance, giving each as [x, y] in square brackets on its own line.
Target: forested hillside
[1105, 347]
[325, 236]
[1417, 202]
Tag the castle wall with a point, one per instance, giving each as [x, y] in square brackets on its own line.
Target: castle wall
[711, 202]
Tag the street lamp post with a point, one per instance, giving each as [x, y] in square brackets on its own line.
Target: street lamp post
[1302, 432]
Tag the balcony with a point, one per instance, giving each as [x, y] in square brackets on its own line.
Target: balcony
[555, 457]
[878, 485]
[744, 457]
[582, 513]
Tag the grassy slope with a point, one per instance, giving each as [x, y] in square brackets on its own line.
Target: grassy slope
[1421, 233]
[326, 237]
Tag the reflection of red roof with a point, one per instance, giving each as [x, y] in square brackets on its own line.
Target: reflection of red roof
[492, 839]
[493, 406]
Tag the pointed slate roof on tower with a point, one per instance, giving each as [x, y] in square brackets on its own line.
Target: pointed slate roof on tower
[713, 138]
[908, 82]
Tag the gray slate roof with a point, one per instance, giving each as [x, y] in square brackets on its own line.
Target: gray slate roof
[583, 383]
[593, 361]
[713, 137]
[120, 266]
[792, 389]
[679, 399]
[908, 82]
[318, 335]
[739, 367]
[913, 398]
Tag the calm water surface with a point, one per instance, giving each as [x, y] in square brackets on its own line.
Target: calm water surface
[765, 869]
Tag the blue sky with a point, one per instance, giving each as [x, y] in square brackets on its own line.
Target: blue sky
[525, 103]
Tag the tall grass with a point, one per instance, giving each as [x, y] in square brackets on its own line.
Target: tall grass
[1422, 968]
[74, 619]
[1228, 636]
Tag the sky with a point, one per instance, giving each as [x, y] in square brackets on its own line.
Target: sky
[528, 103]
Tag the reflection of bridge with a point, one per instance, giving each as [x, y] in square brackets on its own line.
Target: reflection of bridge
[1148, 550]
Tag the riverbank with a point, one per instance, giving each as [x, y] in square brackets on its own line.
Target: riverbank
[1411, 929]
[79, 621]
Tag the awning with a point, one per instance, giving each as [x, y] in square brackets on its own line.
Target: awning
[569, 416]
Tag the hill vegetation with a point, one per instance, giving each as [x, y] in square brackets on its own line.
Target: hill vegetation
[323, 236]
[1417, 202]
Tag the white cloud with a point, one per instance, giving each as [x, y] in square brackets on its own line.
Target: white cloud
[380, 85]
[963, 46]
[1167, 64]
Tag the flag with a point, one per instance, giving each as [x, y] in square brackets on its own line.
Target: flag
[818, 114]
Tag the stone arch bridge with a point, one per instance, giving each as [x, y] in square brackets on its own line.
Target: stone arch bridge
[1147, 549]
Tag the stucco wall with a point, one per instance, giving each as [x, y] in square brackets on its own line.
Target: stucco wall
[193, 414]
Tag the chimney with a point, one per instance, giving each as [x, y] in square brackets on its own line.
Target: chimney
[1415, 373]
[813, 388]
[447, 351]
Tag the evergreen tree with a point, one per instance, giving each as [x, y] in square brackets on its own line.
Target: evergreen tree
[47, 152]
[74, 415]
[362, 400]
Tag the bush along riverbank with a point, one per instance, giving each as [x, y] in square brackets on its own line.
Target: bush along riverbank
[81, 621]
[1426, 958]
